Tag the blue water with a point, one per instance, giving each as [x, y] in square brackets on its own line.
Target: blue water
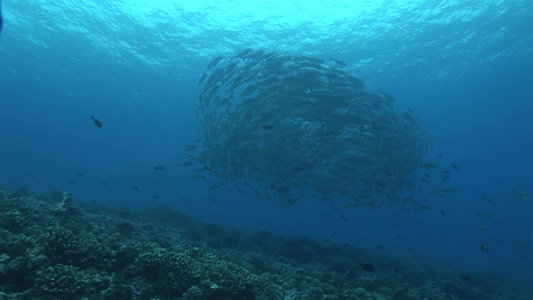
[463, 66]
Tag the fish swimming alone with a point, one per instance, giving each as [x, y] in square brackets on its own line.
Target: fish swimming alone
[367, 267]
[455, 167]
[484, 247]
[96, 122]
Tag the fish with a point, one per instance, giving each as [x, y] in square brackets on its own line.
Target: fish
[367, 267]
[496, 239]
[136, 188]
[96, 122]
[484, 247]
[215, 61]
[521, 195]
[465, 277]
[448, 189]
[338, 61]
[159, 167]
[487, 199]
[202, 78]
[442, 212]
[243, 53]
[268, 126]
[429, 166]
[249, 90]
[456, 168]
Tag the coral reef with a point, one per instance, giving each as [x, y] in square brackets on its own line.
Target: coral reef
[54, 248]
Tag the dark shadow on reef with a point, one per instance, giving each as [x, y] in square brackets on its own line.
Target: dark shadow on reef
[54, 248]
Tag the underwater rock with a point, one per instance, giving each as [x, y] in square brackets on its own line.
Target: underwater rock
[66, 208]
[109, 254]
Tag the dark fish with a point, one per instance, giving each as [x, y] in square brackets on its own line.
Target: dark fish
[249, 90]
[442, 212]
[71, 182]
[484, 247]
[96, 122]
[159, 167]
[455, 167]
[387, 96]
[136, 188]
[214, 77]
[213, 91]
[367, 267]
[338, 61]
[79, 174]
[297, 169]
[465, 277]
[487, 199]
[243, 53]
[268, 126]
[215, 61]
[103, 183]
[429, 166]
[202, 78]
[256, 54]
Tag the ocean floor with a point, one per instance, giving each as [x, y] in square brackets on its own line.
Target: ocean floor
[52, 247]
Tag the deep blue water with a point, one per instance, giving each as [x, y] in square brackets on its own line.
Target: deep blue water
[463, 66]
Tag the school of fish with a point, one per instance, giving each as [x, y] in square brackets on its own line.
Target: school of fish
[299, 122]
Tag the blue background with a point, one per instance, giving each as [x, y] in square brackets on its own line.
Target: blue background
[463, 66]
